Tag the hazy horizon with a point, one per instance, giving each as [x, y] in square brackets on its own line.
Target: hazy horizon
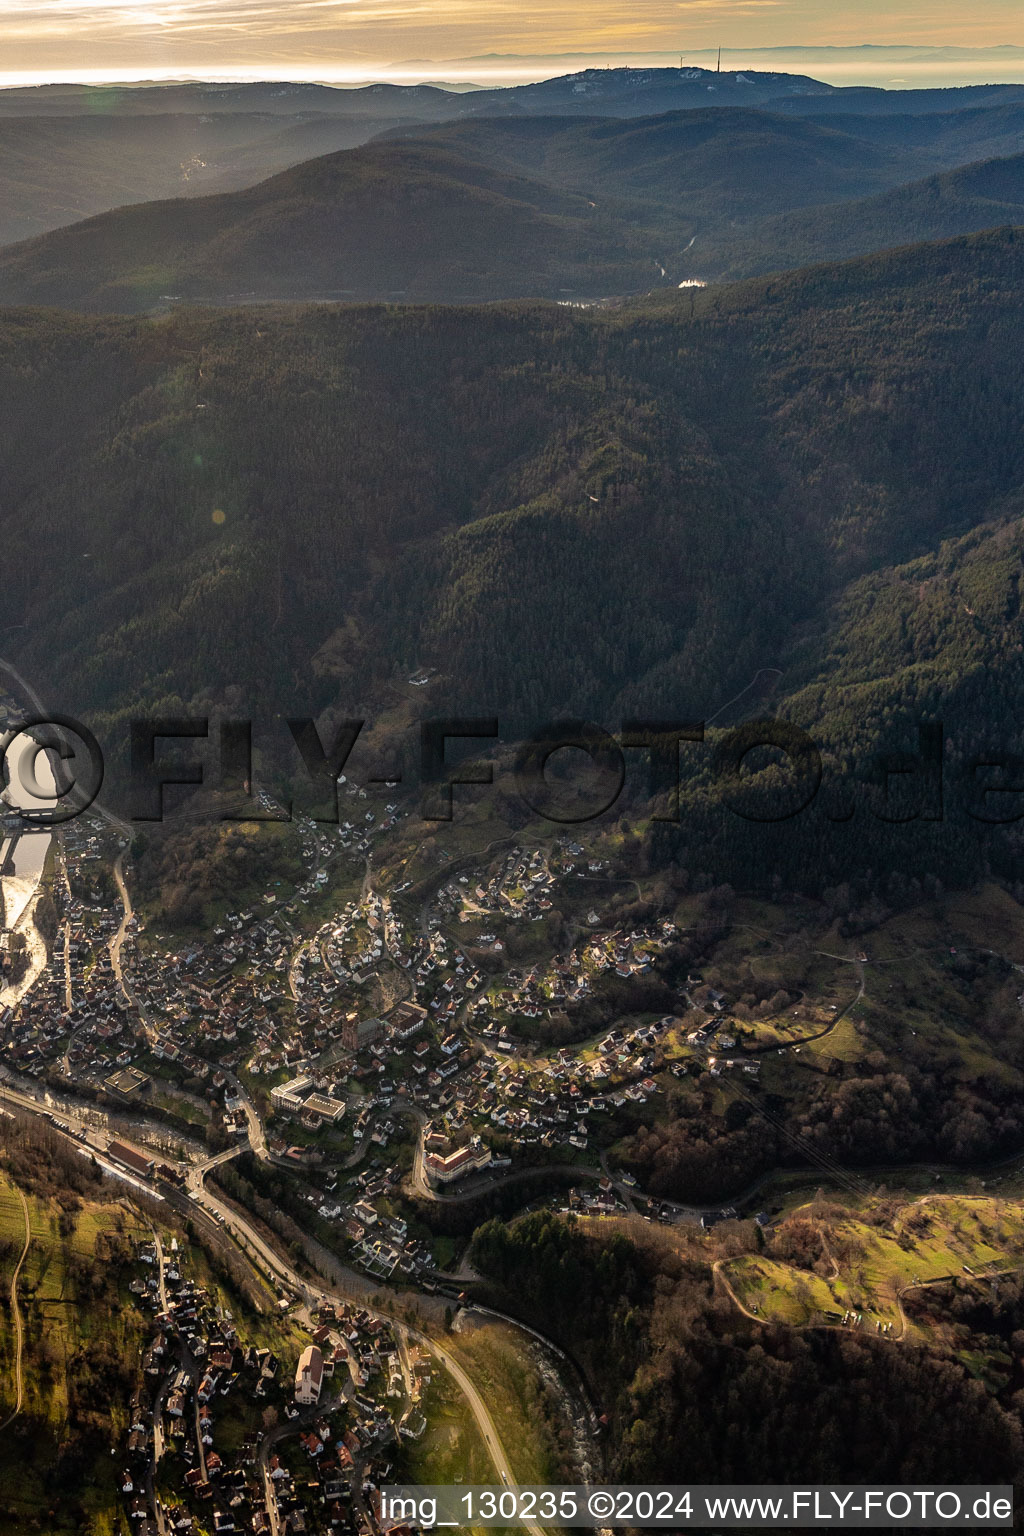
[876, 64]
[494, 42]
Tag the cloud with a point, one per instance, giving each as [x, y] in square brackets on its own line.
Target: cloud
[205, 33]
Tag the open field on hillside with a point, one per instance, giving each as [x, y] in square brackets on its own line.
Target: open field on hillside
[81, 1343]
[864, 1267]
[496, 1359]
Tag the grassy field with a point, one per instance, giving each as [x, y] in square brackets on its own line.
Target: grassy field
[494, 1357]
[56, 1286]
[82, 1336]
[451, 1450]
[446, 1251]
[864, 1267]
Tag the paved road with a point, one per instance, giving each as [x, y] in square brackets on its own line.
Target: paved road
[280, 1269]
[480, 1412]
[129, 912]
[269, 1491]
[481, 1184]
[475, 1310]
[155, 1502]
[26, 687]
[257, 1130]
[196, 1173]
[160, 1270]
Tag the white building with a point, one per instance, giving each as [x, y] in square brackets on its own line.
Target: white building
[309, 1375]
[445, 1170]
[290, 1095]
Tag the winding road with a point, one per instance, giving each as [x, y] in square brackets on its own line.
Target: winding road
[129, 912]
[279, 1269]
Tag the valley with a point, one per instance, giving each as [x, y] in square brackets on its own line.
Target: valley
[611, 186]
[333, 1173]
[538, 994]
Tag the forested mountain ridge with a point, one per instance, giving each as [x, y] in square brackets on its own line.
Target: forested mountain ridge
[56, 170]
[973, 197]
[624, 92]
[567, 513]
[69, 152]
[879, 101]
[952, 137]
[712, 161]
[492, 208]
[694, 1390]
[386, 220]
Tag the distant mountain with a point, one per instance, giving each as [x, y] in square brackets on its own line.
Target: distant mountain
[641, 92]
[56, 170]
[68, 152]
[760, 197]
[944, 138]
[284, 98]
[492, 208]
[388, 220]
[612, 92]
[973, 197]
[482, 208]
[753, 156]
[866, 100]
[616, 92]
[708, 163]
[868, 64]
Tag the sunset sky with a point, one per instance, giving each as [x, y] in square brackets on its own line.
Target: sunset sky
[360, 38]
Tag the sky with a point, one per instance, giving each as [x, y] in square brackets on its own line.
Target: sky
[401, 39]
